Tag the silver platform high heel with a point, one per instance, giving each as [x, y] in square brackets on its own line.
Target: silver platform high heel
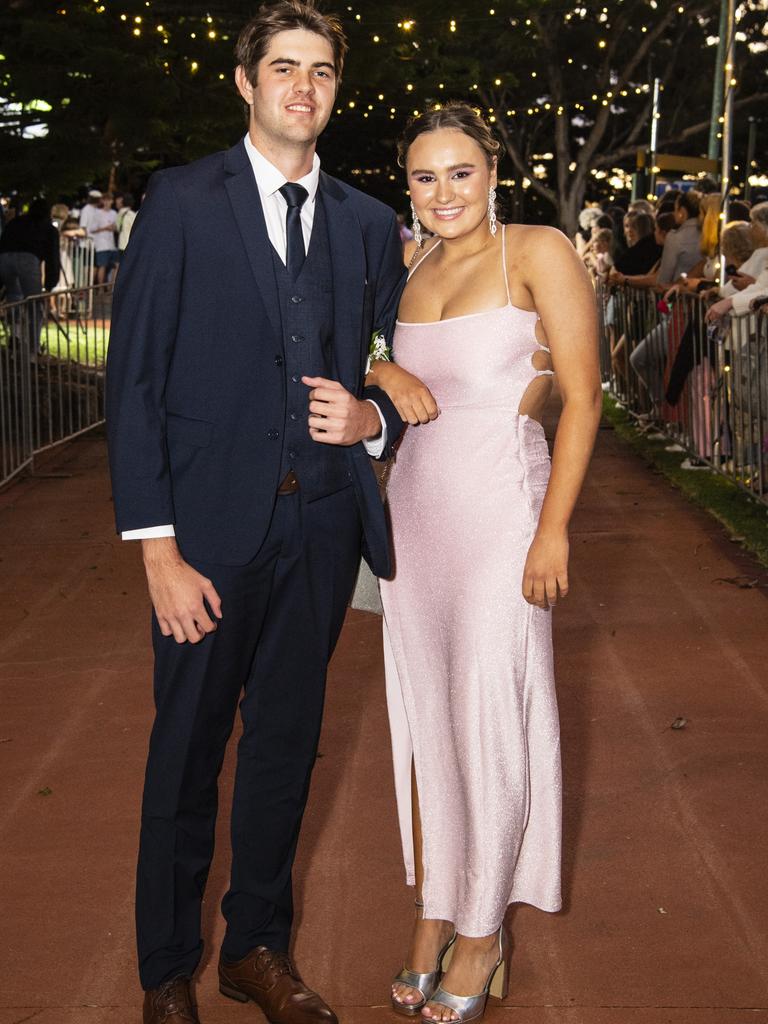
[469, 1008]
[426, 983]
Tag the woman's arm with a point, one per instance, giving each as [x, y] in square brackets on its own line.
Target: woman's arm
[642, 280]
[412, 398]
[569, 317]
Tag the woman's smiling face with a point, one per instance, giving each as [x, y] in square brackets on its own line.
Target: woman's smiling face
[449, 178]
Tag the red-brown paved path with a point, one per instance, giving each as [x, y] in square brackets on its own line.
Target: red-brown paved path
[666, 864]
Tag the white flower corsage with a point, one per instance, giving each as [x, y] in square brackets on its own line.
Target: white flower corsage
[378, 350]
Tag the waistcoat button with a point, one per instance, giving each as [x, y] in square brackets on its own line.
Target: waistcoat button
[278, 360]
[296, 299]
[297, 338]
[294, 416]
[273, 435]
[295, 378]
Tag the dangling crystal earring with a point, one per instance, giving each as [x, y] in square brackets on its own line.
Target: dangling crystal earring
[492, 209]
[417, 236]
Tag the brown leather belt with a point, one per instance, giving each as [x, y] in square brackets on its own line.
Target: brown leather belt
[289, 484]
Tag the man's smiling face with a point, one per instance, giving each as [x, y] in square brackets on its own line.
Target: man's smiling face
[295, 88]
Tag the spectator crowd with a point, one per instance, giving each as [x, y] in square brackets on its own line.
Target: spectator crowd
[684, 301]
[55, 248]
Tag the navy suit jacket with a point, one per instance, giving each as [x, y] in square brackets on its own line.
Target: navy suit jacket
[195, 386]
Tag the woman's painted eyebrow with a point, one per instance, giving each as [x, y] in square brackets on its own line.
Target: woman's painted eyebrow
[454, 167]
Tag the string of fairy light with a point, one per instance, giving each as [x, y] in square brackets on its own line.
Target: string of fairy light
[397, 104]
[207, 30]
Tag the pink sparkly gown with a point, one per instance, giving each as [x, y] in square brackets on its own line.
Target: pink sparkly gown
[470, 683]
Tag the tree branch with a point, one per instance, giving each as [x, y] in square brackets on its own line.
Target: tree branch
[618, 155]
[584, 158]
[522, 166]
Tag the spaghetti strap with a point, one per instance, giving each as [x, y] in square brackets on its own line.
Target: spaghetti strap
[414, 267]
[504, 261]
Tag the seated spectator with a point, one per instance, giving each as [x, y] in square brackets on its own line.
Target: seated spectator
[738, 210]
[707, 186]
[682, 247]
[643, 251]
[641, 206]
[749, 281]
[665, 223]
[597, 256]
[750, 269]
[587, 218]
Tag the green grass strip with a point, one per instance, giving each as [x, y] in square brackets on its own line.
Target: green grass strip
[745, 518]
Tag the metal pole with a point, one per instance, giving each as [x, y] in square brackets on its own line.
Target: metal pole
[717, 87]
[654, 135]
[729, 85]
[751, 140]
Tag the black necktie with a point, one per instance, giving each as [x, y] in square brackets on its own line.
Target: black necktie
[295, 196]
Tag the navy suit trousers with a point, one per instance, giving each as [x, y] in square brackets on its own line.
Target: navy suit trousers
[281, 618]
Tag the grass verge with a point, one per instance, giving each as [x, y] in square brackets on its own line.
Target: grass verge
[745, 518]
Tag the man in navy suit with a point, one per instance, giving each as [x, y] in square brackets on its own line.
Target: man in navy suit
[240, 439]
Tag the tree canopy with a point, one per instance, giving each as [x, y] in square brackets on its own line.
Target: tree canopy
[89, 86]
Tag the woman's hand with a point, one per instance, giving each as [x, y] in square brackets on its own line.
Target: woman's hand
[546, 569]
[741, 281]
[412, 399]
[719, 310]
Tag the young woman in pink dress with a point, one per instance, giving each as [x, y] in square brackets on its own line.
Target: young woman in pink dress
[480, 531]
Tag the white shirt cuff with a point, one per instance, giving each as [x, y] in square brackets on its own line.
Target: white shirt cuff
[148, 532]
[377, 446]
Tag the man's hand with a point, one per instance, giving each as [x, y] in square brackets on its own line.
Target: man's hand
[336, 416]
[178, 592]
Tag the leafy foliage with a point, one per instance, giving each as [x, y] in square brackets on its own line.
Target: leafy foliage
[139, 85]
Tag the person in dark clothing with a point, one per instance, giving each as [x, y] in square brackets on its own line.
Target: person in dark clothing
[643, 252]
[27, 243]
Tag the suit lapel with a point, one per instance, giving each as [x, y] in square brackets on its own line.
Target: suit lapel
[246, 204]
[348, 265]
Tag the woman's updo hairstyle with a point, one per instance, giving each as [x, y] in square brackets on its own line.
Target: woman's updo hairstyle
[456, 115]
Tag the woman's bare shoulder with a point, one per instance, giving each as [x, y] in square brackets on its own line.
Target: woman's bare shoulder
[537, 237]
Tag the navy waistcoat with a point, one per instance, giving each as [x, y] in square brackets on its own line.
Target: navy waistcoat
[306, 310]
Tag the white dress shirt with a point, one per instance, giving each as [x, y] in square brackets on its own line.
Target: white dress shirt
[269, 181]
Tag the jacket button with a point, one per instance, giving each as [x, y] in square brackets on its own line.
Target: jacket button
[295, 378]
[294, 416]
[296, 299]
[273, 434]
[291, 454]
[297, 338]
[278, 360]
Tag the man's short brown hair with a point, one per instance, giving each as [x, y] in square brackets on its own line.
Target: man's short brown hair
[283, 16]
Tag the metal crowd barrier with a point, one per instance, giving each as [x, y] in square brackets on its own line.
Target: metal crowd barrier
[704, 386]
[52, 353]
[78, 259]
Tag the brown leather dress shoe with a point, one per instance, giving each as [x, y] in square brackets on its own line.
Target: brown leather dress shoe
[273, 983]
[171, 1003]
